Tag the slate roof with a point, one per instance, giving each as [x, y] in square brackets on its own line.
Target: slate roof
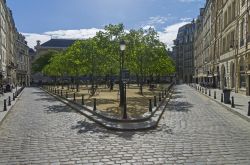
[58, 43]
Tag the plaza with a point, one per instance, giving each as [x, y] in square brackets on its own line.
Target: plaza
[162, 82]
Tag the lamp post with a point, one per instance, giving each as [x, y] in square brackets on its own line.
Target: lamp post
[235, 47]
[122, 90]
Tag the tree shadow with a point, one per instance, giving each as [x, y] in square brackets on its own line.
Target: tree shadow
[93, 128]
[179, 106]
[57, 109]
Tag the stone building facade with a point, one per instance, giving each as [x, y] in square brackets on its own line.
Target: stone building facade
[23, 61]
[183, 53]
[221, 53]
[9, 46]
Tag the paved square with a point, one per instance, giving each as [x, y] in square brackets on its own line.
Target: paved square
[194, 130]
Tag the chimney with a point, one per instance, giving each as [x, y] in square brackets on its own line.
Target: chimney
[38, 43]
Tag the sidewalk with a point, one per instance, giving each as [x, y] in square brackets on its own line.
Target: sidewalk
[6, 96]
[240, 101]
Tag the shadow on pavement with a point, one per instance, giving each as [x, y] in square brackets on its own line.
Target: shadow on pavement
[93, 128]
[58, 109]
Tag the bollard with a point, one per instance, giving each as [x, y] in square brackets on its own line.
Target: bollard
[232, 102]
[221, 98]
[82, 99]
[165, 92]
[209, 93]
[214, 94]
[4, 105]
[74, 97]
[66, 95]
[94, 108]
[248, 114]
[159, 97]
[61, 92]
[9, 104]
[162, 94]
[13, 96]
[155, 101]
[150, 105]
[205, 90]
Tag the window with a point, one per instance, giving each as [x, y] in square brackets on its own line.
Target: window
[242, 32]
[242, 74]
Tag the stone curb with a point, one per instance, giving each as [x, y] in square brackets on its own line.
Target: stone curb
[154, 109]
[78, 108]
[226, 107]
[13, 103]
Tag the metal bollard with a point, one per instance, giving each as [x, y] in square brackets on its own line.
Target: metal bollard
[9, 104]
[155, 101]
[13, 96]
[221, 99]
[82, 99]
[248, 114]
[74, 97]
[209, 93]
[66, 95]
[205, 90]
[162, 94]
[150, 105]
[232, 102]
[61, 92]
[214, 94]
[4, 105]
[159, 96]
[165, 92]
[94, 108]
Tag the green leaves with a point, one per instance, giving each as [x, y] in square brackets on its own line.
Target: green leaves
[98, 56]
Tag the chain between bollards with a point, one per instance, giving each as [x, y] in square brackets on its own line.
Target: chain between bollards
[150, 105]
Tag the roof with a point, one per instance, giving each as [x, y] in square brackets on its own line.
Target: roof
[58, 43]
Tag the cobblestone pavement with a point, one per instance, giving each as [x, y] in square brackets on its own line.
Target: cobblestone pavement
[194, 130]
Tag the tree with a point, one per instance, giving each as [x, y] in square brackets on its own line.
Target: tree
[42, 61]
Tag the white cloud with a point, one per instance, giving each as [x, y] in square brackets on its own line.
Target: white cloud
[167, 36]
[147, 27]
[170, 33]
[31, 38]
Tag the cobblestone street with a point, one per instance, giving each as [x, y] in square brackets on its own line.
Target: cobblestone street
[194, 130]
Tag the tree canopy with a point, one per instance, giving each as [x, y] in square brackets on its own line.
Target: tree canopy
[145, 55]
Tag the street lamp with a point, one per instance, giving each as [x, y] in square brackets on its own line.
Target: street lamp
[122, 85]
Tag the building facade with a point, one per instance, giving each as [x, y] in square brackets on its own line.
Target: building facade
[183, 53]
[227, 65]
[23, 64]
[42, 49]
[9, 46]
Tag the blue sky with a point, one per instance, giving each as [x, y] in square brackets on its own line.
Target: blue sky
[43, 19]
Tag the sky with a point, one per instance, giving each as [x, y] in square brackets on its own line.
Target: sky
[46, 19]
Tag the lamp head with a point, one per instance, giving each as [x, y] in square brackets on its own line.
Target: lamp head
[122, 45]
